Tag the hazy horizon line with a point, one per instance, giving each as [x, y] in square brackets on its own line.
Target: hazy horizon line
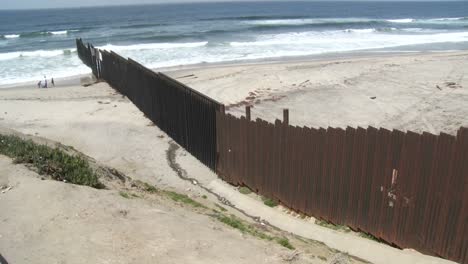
[210, 2]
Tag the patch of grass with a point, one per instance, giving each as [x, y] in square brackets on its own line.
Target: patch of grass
[233, 222]
[204, 196]
[49, 161]
[183, 199]
[125, 195]
[284, 242]
[149, 188]
[269, 202]
[332, 226]
[244, 227]
[244, 190]
[221, 208]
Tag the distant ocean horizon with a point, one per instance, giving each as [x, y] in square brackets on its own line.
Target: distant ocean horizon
[34, 43]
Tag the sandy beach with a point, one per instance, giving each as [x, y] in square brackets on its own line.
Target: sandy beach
[418, 92]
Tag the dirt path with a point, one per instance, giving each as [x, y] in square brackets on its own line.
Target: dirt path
[171, 158]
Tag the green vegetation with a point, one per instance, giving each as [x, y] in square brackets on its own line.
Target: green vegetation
[204, 196]
[269, 202]
[244, 227]
[125, 195]
[237, 223]
[149, 188]
[49, 161]
[183, 199]
[332, 226]
[244, 190]
[369, 236]
[177, 197]
[221, 208]
[285, 243]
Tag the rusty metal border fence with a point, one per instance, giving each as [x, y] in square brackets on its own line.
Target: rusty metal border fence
[184, 114]
[407, 189]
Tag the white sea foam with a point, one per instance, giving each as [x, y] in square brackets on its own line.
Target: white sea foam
[308, 21]
[449, 19]
[12, 36]
[36, 53]
[62, 32]
[419, 30]
[364, 30]
[403, 20]
[340, 41]
[36, 74]
[155, 46]
[319, 21]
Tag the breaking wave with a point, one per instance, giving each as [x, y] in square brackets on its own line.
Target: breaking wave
[154, 46]
[36, 53]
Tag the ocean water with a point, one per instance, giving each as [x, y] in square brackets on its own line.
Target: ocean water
[34, 43]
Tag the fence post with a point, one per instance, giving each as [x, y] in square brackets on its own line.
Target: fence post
[285, 117]
[247, 112]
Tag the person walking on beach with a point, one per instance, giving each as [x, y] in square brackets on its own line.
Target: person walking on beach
[45, 82]
[52, 82]
[39, 84]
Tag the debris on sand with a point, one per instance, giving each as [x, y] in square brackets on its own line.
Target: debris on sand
[453, 85]
[292, 256]
[6, 188]
[339, 258]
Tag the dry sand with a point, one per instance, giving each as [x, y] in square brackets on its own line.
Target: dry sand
[423, 92]
[106, 126]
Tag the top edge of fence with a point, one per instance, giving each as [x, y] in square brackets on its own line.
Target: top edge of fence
[164, 76]
[188, 88]
[118, 55]
[461, 132]
[148, 70]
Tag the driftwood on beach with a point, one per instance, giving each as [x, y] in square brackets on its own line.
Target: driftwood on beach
[404, 188]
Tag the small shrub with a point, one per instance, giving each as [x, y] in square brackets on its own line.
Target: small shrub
[125, 195]
[204, 196]
[284, 242]
[244, 190]
[150, 188]
[270, 202]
